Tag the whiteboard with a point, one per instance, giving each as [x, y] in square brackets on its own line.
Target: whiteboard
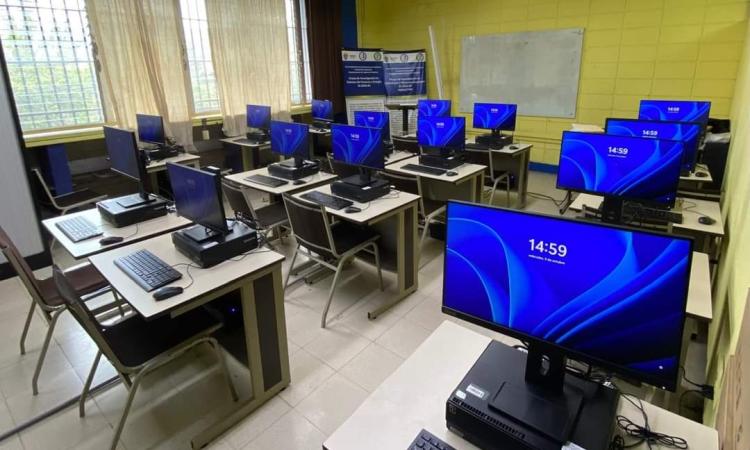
[537, 70]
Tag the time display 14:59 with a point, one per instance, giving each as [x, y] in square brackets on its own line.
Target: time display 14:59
[550, 248]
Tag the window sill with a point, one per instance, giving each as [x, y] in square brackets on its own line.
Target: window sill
[52, 137]
[301, 109]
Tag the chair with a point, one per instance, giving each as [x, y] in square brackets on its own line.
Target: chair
[67, 202]
[330, 245]
[342, 170]
[270, 217]
[84, 278]
[405, 144]
[492, 177]
[429, 210]
[136, 347]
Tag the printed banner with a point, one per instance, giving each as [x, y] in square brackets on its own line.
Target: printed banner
[363, 72]
[405, 74]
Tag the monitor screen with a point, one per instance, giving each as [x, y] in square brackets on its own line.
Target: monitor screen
[640, 169]
[258, 116]
[197, 196]
[688, 133]
[359, 146]
[441, 132]
[123, 152]
[675, 111]
[610, 296]
[290, 139]
[374, 119]
[150, 129]
[433, 108]
[495, 116]
[322, 110]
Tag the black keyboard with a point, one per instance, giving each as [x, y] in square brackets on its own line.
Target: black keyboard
[266, 181]
[78, 229]
[147, 270]
[653, 215]
[327, 200]
[427, 441]
[424, 169]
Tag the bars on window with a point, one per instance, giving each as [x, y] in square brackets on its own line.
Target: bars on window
[200, 64]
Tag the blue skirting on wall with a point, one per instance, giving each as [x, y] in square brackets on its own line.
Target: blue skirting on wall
[541, 167]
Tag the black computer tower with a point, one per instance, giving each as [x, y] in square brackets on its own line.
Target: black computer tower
[113, 212]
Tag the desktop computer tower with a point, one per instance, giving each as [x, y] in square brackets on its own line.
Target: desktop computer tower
[362, 194]
[715, 157]
[494, 142]
[115, 213]
[213, 251]
[290, 172]
[440, 161]
[472, 414]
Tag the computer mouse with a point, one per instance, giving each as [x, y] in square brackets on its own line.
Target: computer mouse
[451, 173]
[109, 240]
[513, 147]
[165, 292]
[705, 220]
[352, 209]
[701, 174]
[298, 182]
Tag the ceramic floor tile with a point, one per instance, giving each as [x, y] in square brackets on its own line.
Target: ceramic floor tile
[66, 430]
[403, 338]
[256, 423]
[332, 403]
[373, 365]
[11, 443]
[307, 373]
[428, 314]
[337, 346]
[291, 432]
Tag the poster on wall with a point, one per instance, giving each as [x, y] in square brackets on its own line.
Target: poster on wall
[405, 82]
[363, 72]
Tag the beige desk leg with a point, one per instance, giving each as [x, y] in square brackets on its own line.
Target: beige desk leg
[407, 258]
[478, 188]
[523, 178]
[267, 352]
[248, 162]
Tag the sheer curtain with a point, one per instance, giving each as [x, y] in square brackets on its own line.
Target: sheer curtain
[251, 58]
[139, 51]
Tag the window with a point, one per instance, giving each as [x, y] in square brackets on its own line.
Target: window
[47, 45]
[299, 55]
[202, 76]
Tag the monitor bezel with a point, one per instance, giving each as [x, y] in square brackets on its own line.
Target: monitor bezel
[570, 353]
[426, 100]
[382, 149]
[705, 123]
[224, 229]
[460, 147]
[163, 131]
[140, 160]
[322, 119]
[247, 116]
[306, 148]
[645, 201]
[474, 116]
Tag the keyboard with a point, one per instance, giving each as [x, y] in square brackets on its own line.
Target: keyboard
[266, 181]
[424, 169]
[78, 229]
[427, 441]
[147, 270]
[654, 215]
[327, 200]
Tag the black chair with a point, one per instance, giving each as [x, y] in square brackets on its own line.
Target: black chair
[330, 245]
[405, 144]
[270, 217]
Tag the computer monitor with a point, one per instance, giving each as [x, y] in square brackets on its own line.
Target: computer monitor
[358, 146]
[495, 116]
[609, 296]
[290, 139]
[150, 129]
[675, 110]
[689, 133]
[197, 196]
[433, 108]
[259, 117]
[322, 110]
[620, 167]
[375, 119]
[444, 134]
[127, 160]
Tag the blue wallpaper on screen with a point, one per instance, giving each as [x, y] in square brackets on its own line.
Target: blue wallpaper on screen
[433, 108]
[322, 109]
[290, 139]
[674, 110]
[441, 132]
[258, 116]
[374, 119]
[688, 133]
[616, 295]
[650, 170]
[361, 146]
[495, 116]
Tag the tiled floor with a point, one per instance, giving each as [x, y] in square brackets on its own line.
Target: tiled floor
[332, 370]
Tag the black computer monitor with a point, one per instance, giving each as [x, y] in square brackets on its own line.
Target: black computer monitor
[150, 129]
[358, 146]
[322, 110]
[375, 119]
[433, 108]
[291, 140]
[441, 134]
[127, 160]
[675, 110]
[197, 196]
[259, 117]
[496, 117]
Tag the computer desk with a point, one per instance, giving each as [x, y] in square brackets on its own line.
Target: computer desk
[395, 218]
[132, 233]
[160, 165]
[692, 178]
[311, 181]
[257, 279]
[397, 156]
[467, 185]
[250, 152]
[516, 161]
[414, 396]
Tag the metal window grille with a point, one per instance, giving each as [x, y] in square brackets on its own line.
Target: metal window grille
[299, 54]
[200, 64]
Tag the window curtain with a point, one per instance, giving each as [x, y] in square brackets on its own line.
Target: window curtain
[139, 50]
[251, 58]
[325, 41]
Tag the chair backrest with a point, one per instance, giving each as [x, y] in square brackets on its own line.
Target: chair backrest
[310, 225]
[21, 267]
[481, 157]
[44, 187]
[342, 170]
[405, 144]
[406, 183]
[237, 199]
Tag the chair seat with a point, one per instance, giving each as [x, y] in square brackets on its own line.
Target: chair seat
[430, 206]
[84, 279]
[135, 341]
[78, 197]
[272, 214]
[346, 236]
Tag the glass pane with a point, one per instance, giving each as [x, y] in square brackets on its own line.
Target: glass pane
[198, 49]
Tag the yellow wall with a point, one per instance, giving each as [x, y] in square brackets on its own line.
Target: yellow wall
[633, 49]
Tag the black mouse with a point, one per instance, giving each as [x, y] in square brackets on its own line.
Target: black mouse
[166, 292]
[451, 173]
[701, 174]
[298, 182]
[109, 240]
[352, 209]
[705, 220]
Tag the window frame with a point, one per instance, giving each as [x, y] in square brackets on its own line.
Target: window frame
[302, 48]
[186, 66]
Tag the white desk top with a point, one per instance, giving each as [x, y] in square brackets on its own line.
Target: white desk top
[699, 168]
[372, 211]
[89, 247]
[414, 396]
[700, 300]
[314, 180]
[692, 210]
[205, 280]
[183, 158]
[234, 140]
[398, 155]
[464, 171]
